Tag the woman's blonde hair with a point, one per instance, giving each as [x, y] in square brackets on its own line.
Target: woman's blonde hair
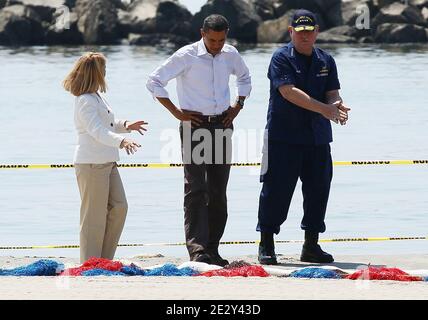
[87, 75]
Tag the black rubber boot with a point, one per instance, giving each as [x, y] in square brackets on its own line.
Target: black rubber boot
[312, 252]
[267, 249]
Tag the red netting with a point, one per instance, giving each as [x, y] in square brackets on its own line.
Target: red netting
[373, 273]
[245, 271]
[93, 263]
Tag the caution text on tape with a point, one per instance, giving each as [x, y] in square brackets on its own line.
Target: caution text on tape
[179, 165]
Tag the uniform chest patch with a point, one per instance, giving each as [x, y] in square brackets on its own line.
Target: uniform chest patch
[323, 72]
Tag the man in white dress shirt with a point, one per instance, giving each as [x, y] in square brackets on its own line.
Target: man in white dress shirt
[202, 71]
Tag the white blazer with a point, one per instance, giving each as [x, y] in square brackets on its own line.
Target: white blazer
[98, 138]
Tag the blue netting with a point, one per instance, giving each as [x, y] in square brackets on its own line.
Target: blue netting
[315, 273]
[133, 270]
[170, 270]
[101, 272]
[39, 268]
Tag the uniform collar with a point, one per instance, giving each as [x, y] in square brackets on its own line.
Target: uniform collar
[202, 50]
[292, 51]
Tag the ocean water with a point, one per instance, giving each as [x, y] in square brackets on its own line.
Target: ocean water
[385, 86]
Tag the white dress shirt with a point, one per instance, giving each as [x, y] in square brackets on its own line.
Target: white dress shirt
[202, 80]
[98, 138]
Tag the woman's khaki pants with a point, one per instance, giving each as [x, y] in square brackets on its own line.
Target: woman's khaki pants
[103, 209]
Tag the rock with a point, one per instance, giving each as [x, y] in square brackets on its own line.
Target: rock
[241, 15]
[332, 13]
[366, 40]
[119, 4]
[419, 3]
[58, 35]
[384, 3]
[156, 22]
[341, 30]
[275, 31]
[125, 23]
[20, 25]
[169, 17]
[172, 17]
[400, 33]
[22, 11]
[327, 37]
[45, 8]
[329, 10]
[97, 21]
[398, 13]
[425, 14]
[266, 9]
[352, 9]
[43, 3]
[143, 9]
[349, 31]
[136, 19]
[161, 39]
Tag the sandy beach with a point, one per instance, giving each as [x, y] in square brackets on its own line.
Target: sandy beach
[238, 288]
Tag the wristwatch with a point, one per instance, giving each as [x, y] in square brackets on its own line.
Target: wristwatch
[240, 101]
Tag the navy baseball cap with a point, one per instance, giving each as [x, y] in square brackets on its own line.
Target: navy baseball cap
[303, 20]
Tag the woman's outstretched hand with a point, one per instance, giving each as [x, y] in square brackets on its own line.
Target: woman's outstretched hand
[130, 146]
[137, 126]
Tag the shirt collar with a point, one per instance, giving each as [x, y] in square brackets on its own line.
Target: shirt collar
[292, 51]
[202, 50]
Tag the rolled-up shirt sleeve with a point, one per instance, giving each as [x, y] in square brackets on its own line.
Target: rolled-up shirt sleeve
[243, 78]
[280, 72]
[159, 78]
[90, 119]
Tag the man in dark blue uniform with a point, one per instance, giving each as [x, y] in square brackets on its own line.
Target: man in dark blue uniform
[304, 98]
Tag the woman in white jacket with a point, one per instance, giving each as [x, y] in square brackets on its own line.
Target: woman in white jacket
[104, 206]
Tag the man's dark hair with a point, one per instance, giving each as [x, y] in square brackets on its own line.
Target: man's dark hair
[216, 23]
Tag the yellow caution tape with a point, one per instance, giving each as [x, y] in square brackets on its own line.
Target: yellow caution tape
[179, 165]
[74, 246]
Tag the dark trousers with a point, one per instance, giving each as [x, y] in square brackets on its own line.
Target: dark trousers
[205, 184]
[287, 163]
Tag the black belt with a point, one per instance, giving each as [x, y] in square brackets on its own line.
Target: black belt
[213, 119]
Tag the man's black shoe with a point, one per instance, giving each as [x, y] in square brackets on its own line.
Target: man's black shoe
[202, 257]
[314, 253]
[217, 259]
[267, 249]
